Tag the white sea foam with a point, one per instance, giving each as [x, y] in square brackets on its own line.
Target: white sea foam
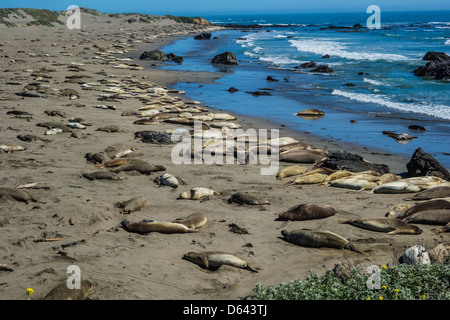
[279, 60]
[374, 82]
[334, 48]
[439, 111]
[447, 42]
[280, 36]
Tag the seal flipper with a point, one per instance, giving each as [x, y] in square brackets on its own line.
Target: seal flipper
[252, 268]
[205, 261]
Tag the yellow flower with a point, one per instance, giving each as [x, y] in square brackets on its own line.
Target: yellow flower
[424, 296]
[381, 298]
[384, 287]
[383, 267]
[396, 290]
[368, 298]
[30, 291]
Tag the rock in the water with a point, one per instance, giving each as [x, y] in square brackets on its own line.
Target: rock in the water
[203, 36]
[225, 58]
[343, 160]
[438, 66]
[307, 65]
[424, 164]
[323, 69]
[175, 58]
[154, 55]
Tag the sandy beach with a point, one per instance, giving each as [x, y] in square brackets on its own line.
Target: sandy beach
[74, 71]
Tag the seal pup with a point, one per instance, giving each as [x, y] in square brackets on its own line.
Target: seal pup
[415, 255]
[433, 217]
[102, 175]
[214, 259]
[139, 165]
[244, 198]
[388, 225]
[167, 179]
[290, 171]
[352, 183]
[307, 211]
[398, 186]
[131, 205]
[427, 205]
[440, 253]
[12, 148]
[112, 128]
[31, 137]
[16, 194]
[197, 193]
[432, 193]
[147, 225]
[114, 163]
[317, 238]
[303, 156]
[310, 178]
[62, 292]
[195, 220]
[398, 210]
[118, 150]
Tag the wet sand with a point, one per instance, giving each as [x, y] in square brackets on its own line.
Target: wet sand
[83, 215]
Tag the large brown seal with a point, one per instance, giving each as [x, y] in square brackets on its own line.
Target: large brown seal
[102, 175]
[427, 205]
[432, 193]
[16, 194]
[62, 292]
[389, 225]
[317, 238]
[307, 211]
[214, 259]
[434, 217]
[146, 226]
[303, 156]
[245, 198]
[139, 165]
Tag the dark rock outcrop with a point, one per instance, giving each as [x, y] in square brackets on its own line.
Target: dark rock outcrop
[307, 65]
[203, 36]
[154, 55]
[323, 69]
[225, 58]
[157, 138]
[438, 66]
[343, 160]
[175, 58]
[424, 164]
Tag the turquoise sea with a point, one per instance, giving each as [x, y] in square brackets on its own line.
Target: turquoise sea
[372, 80]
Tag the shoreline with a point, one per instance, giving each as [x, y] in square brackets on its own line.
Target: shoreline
[83, 215]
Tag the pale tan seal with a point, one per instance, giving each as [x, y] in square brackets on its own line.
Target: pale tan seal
[307, 211]
[16, 194]
[443, 229]
[303, 156]
[352, 183]
[245, 198]
[440, 253]
[317, 238]
[310, 179]
[62, 292]
[131, 205]
[214, 259]
[12, 148]
[398, 210]
[195, 220]
[398, 186]
[112, 128]
[146, 226]
[433, 217]
[197, 193]
[290, 171]
[388, 225]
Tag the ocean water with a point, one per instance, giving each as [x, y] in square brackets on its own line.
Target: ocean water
[387, 96]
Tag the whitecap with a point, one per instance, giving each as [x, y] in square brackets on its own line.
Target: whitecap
[447, 42]
[439, 111]
[375, 82]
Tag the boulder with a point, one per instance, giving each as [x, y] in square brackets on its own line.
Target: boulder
[175, 58]
[424, 164]
[438, 66]
[323, 69]
[225, 58]
[203, 36]
[154, 55]
[343, 160]
[307, 65]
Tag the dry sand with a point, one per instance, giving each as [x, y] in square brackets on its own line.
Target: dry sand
[82, 214]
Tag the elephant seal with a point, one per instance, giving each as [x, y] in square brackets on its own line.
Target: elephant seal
[398, 210]
[443, 229]
[308, 113]
[310, 178]
[434, 217]
[139, 165]
[146, 226]
[132, 205]
[167, 180]
[244, 198]
[214, 259]
[303, 156]
[102, 175]
[16, 194]
[427, 205]
[317, 238]
[307, 211]
[295, 145]
[440, 253]
[291, 171]
[111, 128]
[352, 183]
[12, 148]
[389, 225]
[61, 292]
[195, 220]
[415, 255]
[114, 163]
[118, 150]
[396, 187]
[197, 193]
[432, 193]
[31, 137]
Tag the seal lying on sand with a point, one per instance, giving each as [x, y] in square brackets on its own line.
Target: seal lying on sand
[307, 211]
[132, 205]
[427, 205]
[111, 128]
[62, 292]
[195, 220]
[214, 259]
[16, 194]
[146, 226]
[102, 175]
[291, 171]
[432, 193]
[434, 217]
[389, 225]
[244, 198]
[139, 165]
[197, 193]
[396, 187]
[317, 238]
[303, 156]
[398, 210]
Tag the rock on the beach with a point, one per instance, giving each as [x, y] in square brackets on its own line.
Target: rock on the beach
[157, 138]
[343, 160]
[154, 55]
[424, 164]
[203, 36]
[225, 58]
[438, 66]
